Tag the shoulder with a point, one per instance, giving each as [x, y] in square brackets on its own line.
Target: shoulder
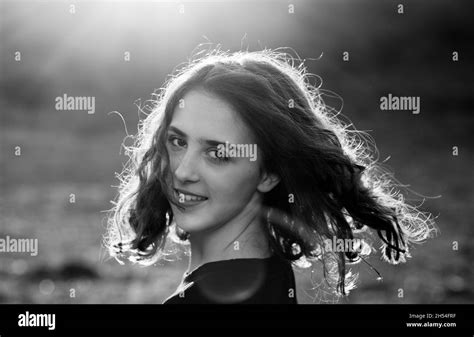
[244, 281]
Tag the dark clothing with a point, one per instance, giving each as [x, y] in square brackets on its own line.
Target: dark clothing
[238, 281]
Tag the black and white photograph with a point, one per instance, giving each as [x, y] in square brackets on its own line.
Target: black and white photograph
[203, 160]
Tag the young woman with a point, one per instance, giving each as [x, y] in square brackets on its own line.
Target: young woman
[243, 161]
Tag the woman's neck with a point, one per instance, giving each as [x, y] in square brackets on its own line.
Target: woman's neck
[240, 238]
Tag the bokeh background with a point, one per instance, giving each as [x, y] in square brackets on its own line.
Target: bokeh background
[82, 54]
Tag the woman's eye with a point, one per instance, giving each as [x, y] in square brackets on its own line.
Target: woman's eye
[176, 142]
[215, 156]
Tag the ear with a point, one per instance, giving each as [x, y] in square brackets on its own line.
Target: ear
[267, 182]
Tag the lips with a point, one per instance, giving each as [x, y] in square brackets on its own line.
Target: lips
[187, 198]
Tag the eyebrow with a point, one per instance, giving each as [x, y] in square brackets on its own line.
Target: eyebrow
[209, 142]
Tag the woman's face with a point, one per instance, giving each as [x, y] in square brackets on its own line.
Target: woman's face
[223, 188]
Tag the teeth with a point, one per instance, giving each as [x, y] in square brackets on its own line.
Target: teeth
[186, 197]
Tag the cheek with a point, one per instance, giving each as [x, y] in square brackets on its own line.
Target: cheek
[233, 186]
[173, 160]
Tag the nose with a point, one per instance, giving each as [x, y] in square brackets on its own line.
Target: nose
[186, 169]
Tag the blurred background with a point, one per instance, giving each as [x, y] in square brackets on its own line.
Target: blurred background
[79, 48]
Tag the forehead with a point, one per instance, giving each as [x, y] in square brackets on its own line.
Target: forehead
[206, 116]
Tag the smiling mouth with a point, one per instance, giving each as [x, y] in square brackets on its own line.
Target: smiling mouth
[188, 199]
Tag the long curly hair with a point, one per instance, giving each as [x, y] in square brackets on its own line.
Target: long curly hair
[331, 186]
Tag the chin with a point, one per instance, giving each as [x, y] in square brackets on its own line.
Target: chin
[190, 223]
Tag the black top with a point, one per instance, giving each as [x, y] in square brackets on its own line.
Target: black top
[238, 281]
